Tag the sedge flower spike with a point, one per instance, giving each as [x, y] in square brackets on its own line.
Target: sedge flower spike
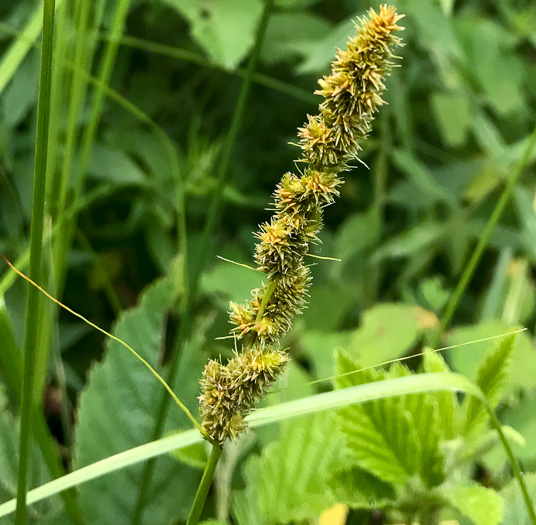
[329, 141]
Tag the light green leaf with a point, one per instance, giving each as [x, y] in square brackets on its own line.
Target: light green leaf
[388, 331]
[289, 34]
[420, 237]
[424, 410]
[423, 180]
[320, 56]
[289, 480]
[359, 489]
[481, 505]
[453, 114]
[380, 436]
[195, 455]
[491, 378]
[115, 166]
[465, 359]
[359, 231]
[230, 282]
[515, 512]
[116, 413]
[447, 403]
[225, 29]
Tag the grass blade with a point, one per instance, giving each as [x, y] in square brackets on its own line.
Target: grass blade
[265, 416]
[19, 49]
[36, 240]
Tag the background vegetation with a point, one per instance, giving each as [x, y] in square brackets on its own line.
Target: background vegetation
[144, 94]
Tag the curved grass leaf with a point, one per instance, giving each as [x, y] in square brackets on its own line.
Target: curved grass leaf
[292, 409]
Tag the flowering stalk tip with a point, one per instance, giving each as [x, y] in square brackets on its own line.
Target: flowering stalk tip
[329, 141]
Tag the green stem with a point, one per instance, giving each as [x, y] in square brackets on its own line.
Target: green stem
[483, 242]
[36, 254]
[204, 485]
[211, 221]
[272, 285]
[514, 464]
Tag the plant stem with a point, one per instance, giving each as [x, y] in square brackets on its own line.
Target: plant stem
[36, 252]
[211, 221]
[204, 485]
[483, 242]
[514, 464]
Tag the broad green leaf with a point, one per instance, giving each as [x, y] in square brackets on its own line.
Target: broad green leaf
[423, 179]
[319, 57]
[481, 505]
[359, 231]
[289, 480]
[380, 436]
[230, 282]
[115, 166]
[453, 113]
[447, 403]
[195, 455]
[433, 293]
[491, 378]
[319, 347]
[424, 410]
[328, 305]
[411, 241]
[117, 413]
[225, 29]
[290, 34]
[465, 359]
[388, 331]
[359, 489]
[497, 69]
[515, 511]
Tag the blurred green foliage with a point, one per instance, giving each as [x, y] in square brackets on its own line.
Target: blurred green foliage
[130, 174]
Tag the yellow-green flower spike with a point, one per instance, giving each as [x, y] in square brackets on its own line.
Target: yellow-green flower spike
[352, 95]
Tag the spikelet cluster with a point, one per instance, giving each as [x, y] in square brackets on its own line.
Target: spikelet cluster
[329, 141]
[230, 391]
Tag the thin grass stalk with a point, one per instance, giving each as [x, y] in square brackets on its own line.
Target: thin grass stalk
[483, 241]
[213, 213]
[204, 486]
[118, 24]
[36, 239]
[12, 370]
[514, 463]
